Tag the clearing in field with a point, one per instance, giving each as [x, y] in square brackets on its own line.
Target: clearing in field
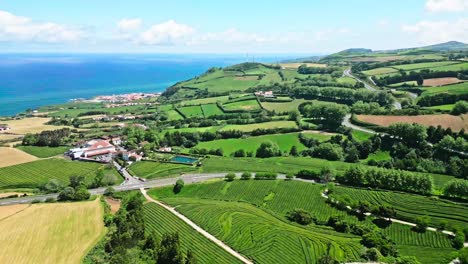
[282, 107]
[441, 81]
[51, 233]
[13, 156]
[266, 125]
[456, 123]
[29, 125]
[246, 105]
[250, 144]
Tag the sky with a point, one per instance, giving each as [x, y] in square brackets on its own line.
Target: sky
[214, 26]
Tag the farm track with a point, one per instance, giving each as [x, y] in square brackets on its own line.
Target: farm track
[197, 228]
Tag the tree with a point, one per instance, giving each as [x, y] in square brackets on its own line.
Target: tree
[169, 251]
[268, 149]
[246, 176]
[420, 80]
[300, 216]
[178, 186]
[456, 188]
[98, 179]
[230, 177]
[53, 186]
[352, 155]
[327, 175]
[293, 115]
[422, 223]
[190, 258]
[289, 176]
[458, 240]
[328, 151]
[66, 194]
[460, 107]
[293, 151]
[81, 193]
[239, 153]
[410, 134]
[463, 256]
[76, 181]
[327, 258]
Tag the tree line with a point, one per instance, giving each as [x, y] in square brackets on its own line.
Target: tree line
[51, 138]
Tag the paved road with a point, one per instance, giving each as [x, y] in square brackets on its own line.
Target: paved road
[347, 123]
[129, 179]
[197, 228]
[347, 72]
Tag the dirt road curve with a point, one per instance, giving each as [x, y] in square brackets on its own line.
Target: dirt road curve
[197, 228]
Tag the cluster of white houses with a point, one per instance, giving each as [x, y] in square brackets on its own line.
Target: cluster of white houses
[103, 150]
[4, 128]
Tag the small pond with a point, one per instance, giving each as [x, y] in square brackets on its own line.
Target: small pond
[184, 159]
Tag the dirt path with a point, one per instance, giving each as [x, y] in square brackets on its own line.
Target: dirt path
[197, 228]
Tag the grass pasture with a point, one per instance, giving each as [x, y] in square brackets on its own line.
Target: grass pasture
[209, 100]
[266, 125]
[447, 107]
[229, 146]
[379, 71]
[281, 107]
[29, 125]
[424, 65]
[44, 152]
[12, 156]
[191, 111]
[50, 233]
[151, 169]
[456, 123]
[295, 65]
[33, 174]
[461, 88]
[159, 220]
[211, 110]
[246, 105]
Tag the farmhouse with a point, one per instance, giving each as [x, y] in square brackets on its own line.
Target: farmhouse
[92, 148]
[165, 149]
[131, 155]
[266, 94]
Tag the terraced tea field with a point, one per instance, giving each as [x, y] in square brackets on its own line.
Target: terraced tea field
[159, 220]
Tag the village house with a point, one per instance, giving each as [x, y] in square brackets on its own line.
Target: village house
[117, 141]
[266, 94]
[131, 155]
[165, 149]
[4, 128]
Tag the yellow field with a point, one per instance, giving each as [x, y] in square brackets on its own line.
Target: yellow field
[50, 233]
[8, 137]
[6, 211]
[29, 125]
[296, 65]
[13, 156]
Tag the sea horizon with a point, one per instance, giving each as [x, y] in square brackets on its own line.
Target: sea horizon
[32, 80]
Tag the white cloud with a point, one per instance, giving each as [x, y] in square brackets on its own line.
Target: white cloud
[166, 33]
[16, 28]
[129, 24]
[446, 5]
[430, 32]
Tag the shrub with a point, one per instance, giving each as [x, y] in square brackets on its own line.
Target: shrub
[109, 191]
[178, 186]
[289, 176]
[266, 176]
[35, 201]
[421, 224]
[230, 177]
[246, 176]
[308, 174]
[50, 200]
[463, 256]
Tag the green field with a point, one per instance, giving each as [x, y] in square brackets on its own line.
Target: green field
[229, 146]
[379, 71]
[33, 174]
[135, 109]
[209, 100]
[191, 111]
[281, 107]
[409, 83]
[150, 169]
[379, 156]
[44, 152]
[159, 220]
[360, 135]
[266, 125]
[424, 65]
[245, 105]
[409, 206]
[215, 206]
[174, 115]
[460, 88]
[211, 110]
[447, 107]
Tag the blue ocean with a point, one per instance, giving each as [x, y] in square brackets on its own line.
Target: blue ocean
[33, 80]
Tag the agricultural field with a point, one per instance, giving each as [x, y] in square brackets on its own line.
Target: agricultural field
[174, 115]
[245, 105]
[50, 233]
[44, 152]
[425, 65]
[360, 135]
[411, 206]
[408, 83]
[461, 88]
[159, 220]
[215, 207]
[282, 107]
[379, 71]
[29, 125]
[12, 156]
[191, 111]
[378, 156]
[211, 110]
[441, 81]
[447, 107]
[295, 65]
[250, 144]
[152, 169]
[266, 125]
[33, 174]
[209, 100]
[456, 123]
